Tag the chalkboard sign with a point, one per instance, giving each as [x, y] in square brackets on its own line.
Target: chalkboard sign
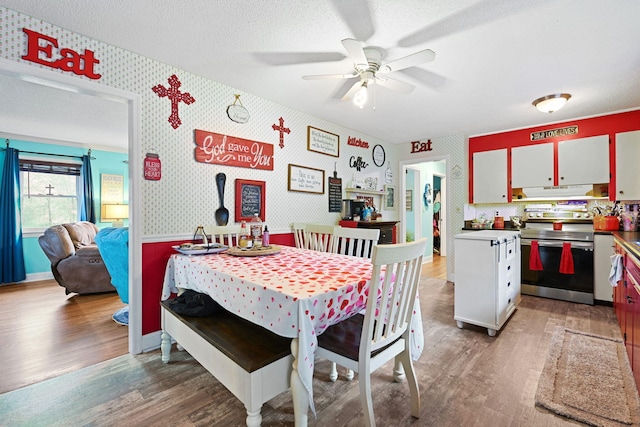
[335, 194]
[250, 199]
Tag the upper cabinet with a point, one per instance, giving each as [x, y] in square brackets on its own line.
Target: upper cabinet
[490, 183]
[583, 161]
[532, 166]
[627, 160]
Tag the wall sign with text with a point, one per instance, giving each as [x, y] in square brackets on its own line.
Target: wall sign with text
[250, 199]
[227, 150]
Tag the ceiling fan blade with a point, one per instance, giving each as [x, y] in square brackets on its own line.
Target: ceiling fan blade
[356, 53]
[292, 58]
[351, 92]
[356, 14]
[414, 59]
[330, 76]
[395, 85]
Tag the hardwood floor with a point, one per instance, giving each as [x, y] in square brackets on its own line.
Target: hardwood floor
[466, 379]
[46, 333]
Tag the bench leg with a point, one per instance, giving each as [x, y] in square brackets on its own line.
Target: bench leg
[165, 346]
[254, 418]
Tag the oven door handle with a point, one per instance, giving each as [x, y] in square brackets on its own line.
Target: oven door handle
[587, 246]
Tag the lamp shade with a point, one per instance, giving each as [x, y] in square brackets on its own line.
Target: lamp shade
[116, 211]
[551, 103]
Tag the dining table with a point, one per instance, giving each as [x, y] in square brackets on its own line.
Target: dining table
[295, 293]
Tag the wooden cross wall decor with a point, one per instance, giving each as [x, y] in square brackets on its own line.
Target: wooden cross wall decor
[174, 94]
[280, 128]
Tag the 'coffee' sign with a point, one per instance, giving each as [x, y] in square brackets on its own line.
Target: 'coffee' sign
[227, 150]
[40, 50]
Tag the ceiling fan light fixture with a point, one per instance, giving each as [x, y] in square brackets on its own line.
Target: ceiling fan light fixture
[361, 96]
[551, 103]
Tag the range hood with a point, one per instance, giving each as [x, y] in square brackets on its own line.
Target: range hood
[562, 192]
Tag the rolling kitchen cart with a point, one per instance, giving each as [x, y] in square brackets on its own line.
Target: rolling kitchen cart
[487, 278]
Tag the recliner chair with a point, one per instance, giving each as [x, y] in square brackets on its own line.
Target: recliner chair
[76, 263]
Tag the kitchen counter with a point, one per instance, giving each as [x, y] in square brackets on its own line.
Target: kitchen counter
[630, 240]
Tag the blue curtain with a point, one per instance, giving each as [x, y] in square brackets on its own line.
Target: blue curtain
[11, 255]
[87, 212]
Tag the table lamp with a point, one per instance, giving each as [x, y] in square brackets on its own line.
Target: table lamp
[116, 212]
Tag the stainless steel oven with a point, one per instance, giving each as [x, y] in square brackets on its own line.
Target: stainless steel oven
[577, 230]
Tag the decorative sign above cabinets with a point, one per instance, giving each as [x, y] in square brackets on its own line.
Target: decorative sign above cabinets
[40, 50]
[552, 133]
[227, 150]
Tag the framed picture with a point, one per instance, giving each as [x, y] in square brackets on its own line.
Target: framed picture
[389, 197]
[323, 142]
[250, 199]
[409, 200]
[305, 179]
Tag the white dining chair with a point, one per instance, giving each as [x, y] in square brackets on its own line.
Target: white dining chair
[223, 234]
[366, 342]
[355, 242]
[317, 237]
[298, 233]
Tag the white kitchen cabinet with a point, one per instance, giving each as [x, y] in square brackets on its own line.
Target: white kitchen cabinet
[627, 161]
[602, 251]
[532, 166]
[490, 183]
[583, 161]
[487, 285]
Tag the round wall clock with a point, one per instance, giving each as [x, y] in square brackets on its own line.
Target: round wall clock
[378, 155]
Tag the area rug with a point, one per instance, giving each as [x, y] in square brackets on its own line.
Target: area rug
[588, 378]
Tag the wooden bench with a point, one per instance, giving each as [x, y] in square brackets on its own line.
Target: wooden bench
[252, 362]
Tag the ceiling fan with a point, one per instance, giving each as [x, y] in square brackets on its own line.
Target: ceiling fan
[368, 66]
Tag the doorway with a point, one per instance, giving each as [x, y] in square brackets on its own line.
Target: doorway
[423, 207]
[71, 85]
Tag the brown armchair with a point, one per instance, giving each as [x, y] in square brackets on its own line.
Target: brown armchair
[76, 263]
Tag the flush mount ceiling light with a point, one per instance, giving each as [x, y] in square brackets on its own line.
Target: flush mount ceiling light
[551, 103]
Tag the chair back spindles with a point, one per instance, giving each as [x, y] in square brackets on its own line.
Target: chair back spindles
[355, 241]
[318, 237]
[223, 234]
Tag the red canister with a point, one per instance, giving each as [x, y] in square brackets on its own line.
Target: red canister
[557, 225]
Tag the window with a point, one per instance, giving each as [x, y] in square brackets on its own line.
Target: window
[49, 193]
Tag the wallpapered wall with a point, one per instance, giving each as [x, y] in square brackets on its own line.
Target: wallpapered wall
[186, 195]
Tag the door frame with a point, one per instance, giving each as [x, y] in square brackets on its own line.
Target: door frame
[20, 70]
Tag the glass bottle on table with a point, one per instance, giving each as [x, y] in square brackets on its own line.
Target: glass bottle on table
[256, 230]
[244, 239]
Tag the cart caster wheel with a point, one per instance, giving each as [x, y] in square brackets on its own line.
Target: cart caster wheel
[460, 324]
[491, 332]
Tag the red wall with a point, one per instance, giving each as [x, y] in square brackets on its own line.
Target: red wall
[154, 261]
[594, 126]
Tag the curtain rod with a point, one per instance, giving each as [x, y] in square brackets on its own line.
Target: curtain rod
[52, 154]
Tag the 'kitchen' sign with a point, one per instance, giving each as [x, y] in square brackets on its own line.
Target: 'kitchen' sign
[227, 150]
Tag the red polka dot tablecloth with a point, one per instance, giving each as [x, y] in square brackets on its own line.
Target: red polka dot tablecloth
[296, 293]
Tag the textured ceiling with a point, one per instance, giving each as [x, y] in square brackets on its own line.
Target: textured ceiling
[492, 57]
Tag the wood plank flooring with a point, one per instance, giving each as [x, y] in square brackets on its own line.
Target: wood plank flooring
[466, 379]
[46, 333]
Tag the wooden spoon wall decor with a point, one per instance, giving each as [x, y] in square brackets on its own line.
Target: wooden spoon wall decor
[222, 213]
